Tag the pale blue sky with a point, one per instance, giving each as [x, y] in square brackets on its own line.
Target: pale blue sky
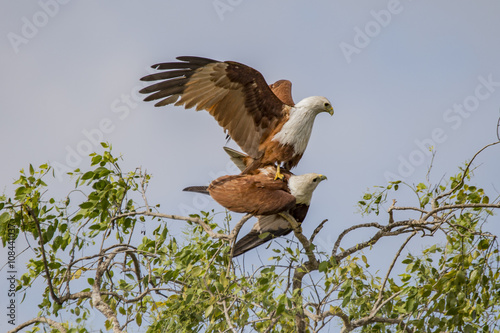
[71, 68]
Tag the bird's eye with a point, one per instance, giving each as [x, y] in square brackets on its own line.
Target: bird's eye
[327, 105]
[315, 179]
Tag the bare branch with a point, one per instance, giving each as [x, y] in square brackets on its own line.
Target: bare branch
[377, 305]
[317, 230]
[458, 206]
[354, 227]
[367, 320]
[97, 301]
[43, 320]
[44, 257]
[234, 234]
[196, 220]
[228, 319]
[300, 236]
[408, 225]
[466, 171]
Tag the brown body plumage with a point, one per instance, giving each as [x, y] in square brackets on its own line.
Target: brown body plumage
[257, 194]
[261, 195]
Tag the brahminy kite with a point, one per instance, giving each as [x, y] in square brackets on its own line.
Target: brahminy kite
[265, 124]
[263, 196]
[275, 225]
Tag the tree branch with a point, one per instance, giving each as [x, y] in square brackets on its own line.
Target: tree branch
[300, 236]
[317, 230]
[461, 182]
[43, 320]
[97, 301]
[377, 306]
[458, 206]
[196, 220]
[44, 257]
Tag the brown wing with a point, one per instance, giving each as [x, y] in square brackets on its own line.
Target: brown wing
[283, 89]
[274, 225]
[236, 95]
[255, 194]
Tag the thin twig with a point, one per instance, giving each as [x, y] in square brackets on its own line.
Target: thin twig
[466, 171]
[317, 230]
[376, 306]
[44, 257]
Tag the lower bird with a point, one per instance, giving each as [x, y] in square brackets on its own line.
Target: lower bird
[261, 195]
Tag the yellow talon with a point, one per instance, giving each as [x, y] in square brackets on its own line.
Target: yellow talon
[278, 175]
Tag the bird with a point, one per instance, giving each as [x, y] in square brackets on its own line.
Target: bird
[262, 119]
[272, 226]
[275, 225]
[263, 196]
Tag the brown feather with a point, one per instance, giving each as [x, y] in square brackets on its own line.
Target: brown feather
[236, 95]
[255, 194]
[283, 90]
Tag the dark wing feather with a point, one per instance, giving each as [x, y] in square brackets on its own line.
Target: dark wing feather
[274, 225]
[236, 95]
[198, 189]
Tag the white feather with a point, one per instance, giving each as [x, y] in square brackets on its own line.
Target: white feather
[303, 186]
[297, 130]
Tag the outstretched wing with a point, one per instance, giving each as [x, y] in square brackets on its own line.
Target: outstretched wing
[236, 95]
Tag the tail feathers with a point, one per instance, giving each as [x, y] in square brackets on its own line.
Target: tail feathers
[241, 160]
[250, 241]
[199, 189]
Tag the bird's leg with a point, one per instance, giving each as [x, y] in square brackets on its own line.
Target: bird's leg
[278, 175]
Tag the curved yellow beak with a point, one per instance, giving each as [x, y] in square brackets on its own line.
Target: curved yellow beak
[329, 109]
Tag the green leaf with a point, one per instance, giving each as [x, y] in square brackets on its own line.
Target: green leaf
[88, 175]
[138, 319]
[484, 244]
[5, 217]
[421, 186]
[209, 310]
[86, 205]
[96, 159]
[323, 266]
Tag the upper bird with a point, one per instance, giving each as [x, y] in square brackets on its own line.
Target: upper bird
[260, 118]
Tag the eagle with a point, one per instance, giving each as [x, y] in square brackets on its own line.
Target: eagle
[262, 119]
[268, 227]
[262, 195]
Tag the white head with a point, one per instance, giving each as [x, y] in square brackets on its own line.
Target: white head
[317, 104]
[297, 130]
[303, 186]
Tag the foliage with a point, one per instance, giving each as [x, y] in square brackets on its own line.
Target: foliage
[91, 253]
